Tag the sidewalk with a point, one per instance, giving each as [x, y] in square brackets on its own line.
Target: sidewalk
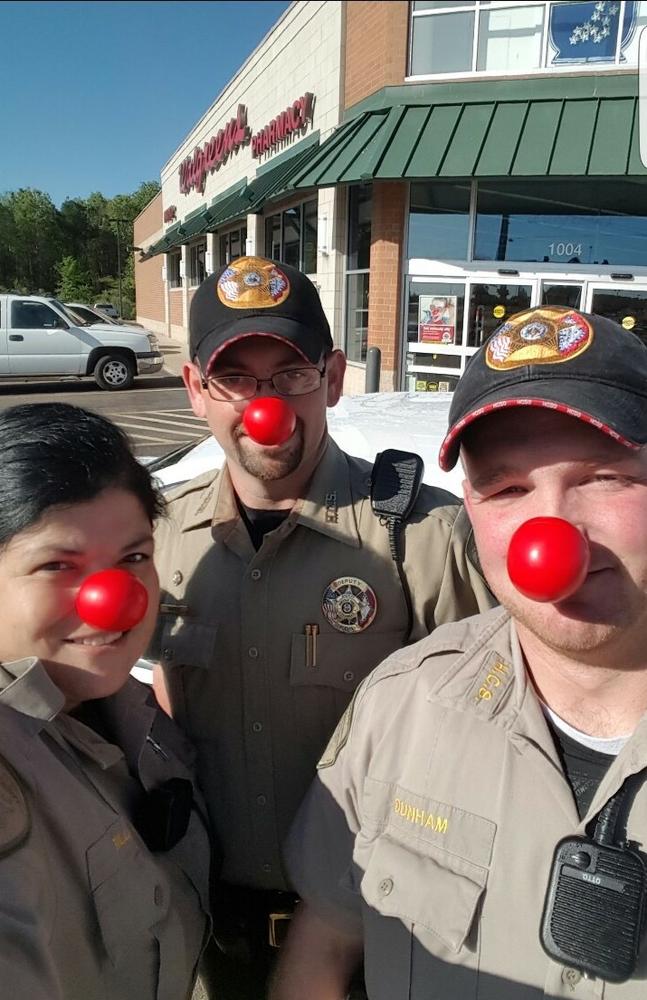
[175, 355]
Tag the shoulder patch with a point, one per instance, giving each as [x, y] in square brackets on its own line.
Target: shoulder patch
[339, 738]
[15, 821]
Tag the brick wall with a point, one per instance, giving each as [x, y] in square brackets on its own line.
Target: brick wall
[177, 308]
[376, 47]
[384, 311]
[149, 287]
[149, 221]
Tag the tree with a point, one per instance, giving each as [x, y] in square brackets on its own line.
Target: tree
[74, 283]
[38, 239]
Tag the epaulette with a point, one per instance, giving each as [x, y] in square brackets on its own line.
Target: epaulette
[205, 479]
[454, 638]
[15, 821]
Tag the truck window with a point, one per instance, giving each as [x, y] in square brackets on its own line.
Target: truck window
[32, 315]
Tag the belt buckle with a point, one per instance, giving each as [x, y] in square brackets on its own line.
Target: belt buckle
[277, 927]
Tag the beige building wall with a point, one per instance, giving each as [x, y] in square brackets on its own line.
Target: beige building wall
[302, 53]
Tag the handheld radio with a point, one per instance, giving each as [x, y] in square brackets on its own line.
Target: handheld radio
[594, 910]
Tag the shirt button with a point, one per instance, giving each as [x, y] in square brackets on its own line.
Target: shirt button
[256, 574]
[168, 653]
[257, 727]
[253, 652]
[349, 676]
[158, 895]
[260, 800]
[267, 868]
[571, 977]
[385, 886]
[177, 577]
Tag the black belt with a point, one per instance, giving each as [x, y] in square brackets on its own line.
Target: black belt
[247, 918]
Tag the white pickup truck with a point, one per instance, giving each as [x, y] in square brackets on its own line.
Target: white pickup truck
[39, 337]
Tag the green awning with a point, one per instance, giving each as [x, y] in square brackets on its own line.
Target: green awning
[242, 199]
[170, 239]
[545, 134]
[276, 180]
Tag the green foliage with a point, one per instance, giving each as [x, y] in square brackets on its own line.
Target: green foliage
[71, 250]
[74, 281]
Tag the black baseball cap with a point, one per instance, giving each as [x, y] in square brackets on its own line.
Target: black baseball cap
[585, 366]
[256, 296]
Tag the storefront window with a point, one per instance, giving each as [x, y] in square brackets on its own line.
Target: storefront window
[497, 36]
[435, 304]
[233, 244]
[490, 304]
[442, 43]
[357, 316]
[197, 254]
[626, 306]
[273, 237]
[565, 222]
[310, 211]
[360, 212]
[174, 270]
[291, 236]
[509, 39]
[358, 257]
[439, 221]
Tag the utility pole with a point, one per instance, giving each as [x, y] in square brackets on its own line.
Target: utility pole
[117, 223]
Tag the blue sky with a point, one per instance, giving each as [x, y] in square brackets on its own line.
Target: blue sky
[97, 95]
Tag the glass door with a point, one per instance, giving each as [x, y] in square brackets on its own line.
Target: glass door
[490, 304]
[627, 306]
[435, 321]
[561, 293]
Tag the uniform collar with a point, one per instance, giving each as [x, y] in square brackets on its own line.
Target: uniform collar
[326, 508]
[490, 680]
[26, 687]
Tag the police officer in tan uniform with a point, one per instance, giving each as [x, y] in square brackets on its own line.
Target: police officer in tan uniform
[280, 592]
[429, 840]
[104, 851]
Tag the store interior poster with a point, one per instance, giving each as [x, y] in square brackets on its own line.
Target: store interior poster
[437, 319]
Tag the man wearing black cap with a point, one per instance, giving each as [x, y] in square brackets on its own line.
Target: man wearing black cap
[478, 825]
[280, 592]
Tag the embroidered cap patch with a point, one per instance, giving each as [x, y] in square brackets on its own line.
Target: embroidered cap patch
[252, 283]
[539, 337]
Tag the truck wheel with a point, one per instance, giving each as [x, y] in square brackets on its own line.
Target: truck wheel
[114, 371]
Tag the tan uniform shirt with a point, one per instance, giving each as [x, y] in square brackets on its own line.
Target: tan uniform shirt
[232, 636]
[432, 823]
[87, 912]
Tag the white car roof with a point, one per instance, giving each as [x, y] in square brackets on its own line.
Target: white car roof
[362, 426]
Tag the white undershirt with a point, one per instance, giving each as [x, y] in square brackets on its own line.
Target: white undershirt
[611, 746]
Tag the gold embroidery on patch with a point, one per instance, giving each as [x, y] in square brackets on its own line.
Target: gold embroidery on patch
[121, 839]
[539, 337]
[495, 677]
[420, 817]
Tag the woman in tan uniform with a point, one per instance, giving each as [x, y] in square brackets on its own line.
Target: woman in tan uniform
[104, 855]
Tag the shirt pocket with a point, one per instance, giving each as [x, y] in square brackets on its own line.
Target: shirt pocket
[184, 641]
[130, 895]
[419, 907]
[341, 661]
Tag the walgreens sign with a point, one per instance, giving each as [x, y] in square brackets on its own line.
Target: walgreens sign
[194, 170]
[291, 120]
[236, 133]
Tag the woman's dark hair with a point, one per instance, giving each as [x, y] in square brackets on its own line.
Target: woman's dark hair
[56, 455]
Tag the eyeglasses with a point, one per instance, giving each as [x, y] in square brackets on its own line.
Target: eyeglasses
[293, 382]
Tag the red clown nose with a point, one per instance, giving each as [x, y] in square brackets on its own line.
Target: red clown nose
[113, 600]
[548, 559]
[269, 420]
